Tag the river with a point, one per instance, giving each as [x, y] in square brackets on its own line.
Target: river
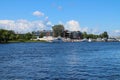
[60, 61]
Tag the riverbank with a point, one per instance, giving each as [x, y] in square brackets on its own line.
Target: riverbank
[63, 40]
[18, 41]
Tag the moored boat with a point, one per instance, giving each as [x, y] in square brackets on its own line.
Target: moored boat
[59, 39]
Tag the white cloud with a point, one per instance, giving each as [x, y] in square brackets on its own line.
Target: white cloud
[72, 25]
[23, 26]
[48, 23]
[6, 21]
[38, 14]
[117, 31]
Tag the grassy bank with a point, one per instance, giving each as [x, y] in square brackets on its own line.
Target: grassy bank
[17, 41]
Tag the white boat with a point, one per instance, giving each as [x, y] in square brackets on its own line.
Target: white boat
[84, 40]
[59, 39]
[89, 40]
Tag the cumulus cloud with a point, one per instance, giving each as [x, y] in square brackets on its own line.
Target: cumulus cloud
[117, 31]
[23, 26]
[72, 25]
[38, 14]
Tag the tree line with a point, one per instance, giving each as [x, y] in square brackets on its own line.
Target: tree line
[59, 30]
[10, 35]
[94, 36]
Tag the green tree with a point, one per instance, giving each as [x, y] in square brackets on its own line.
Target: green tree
[41, 35]
[33, 35]
[12, 35]
[58, 30]
[104, 35]
[4, 35]
[93, 36]
[84, 35]
[28, 36]
[17, 36]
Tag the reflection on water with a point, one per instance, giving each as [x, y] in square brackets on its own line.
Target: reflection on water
[64, 61]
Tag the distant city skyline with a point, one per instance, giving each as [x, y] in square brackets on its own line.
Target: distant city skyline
[92, 16]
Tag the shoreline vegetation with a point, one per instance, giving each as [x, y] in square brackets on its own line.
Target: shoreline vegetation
[58, 31]
[9, 36]
[25, 41]
[43, 41]
[31, 41]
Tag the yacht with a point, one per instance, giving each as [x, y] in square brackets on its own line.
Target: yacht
[59, 39]
[84, 40]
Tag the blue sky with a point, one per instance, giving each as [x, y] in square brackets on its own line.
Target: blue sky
[101, 15]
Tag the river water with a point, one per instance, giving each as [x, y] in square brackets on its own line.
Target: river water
[60, 61]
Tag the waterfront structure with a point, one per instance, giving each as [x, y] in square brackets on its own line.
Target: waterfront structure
[47, 38]
[41, 34]
[72, 34]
